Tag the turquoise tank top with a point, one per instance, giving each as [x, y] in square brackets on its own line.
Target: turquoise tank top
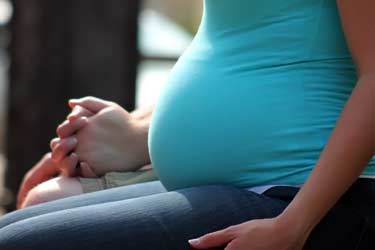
[255, 97]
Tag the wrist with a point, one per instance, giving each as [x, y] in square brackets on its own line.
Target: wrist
[298, 222]
[142, 117]
[291, 230]
[143, 113]
[142, 153]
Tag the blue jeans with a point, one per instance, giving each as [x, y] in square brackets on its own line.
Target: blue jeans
[146, 216]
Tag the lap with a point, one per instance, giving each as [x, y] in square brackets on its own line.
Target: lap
[110, 195]
[157, 221]
[113, 219]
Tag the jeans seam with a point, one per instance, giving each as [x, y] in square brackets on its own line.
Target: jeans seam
[364, 229]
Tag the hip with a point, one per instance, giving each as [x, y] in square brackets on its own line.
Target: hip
[350, 224]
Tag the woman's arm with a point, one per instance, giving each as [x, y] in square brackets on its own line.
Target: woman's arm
[348, 151]
[352, 143]
[143, 113]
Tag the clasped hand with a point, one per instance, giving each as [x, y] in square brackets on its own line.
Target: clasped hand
[103, 136]
[99, 137]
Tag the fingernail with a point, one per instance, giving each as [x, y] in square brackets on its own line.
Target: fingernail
[194, 241]
[72, 117]
[72, 103]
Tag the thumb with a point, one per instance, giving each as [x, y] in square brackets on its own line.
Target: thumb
[211, 240]
[87, 171]
[90, 103]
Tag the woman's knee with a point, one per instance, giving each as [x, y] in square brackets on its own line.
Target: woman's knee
[57, 188]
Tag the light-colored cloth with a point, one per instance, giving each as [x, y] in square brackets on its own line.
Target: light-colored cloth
[116, 179]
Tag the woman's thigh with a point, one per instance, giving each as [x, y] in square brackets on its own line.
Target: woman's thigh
[109, 195]
[158, 222]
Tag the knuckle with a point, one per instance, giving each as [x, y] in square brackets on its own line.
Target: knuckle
[208, 238]
[60, 148]
[230, 230]
[80, 122]
[82, 111]
[60, 129]
[77, 108]
[231, 246]
[47, 156]
[110, 103]
[89, 98]
[51, 144]
[68, 163]
[57, 149]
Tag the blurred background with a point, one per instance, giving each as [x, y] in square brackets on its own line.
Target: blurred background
[51, 50]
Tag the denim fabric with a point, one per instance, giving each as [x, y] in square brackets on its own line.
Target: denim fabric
[349, 225]
[145, 216]
[116, 194]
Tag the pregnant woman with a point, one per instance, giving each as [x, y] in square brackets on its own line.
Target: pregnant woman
[263, 138]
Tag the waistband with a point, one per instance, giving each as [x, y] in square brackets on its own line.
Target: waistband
[362, 191]
[367, 177]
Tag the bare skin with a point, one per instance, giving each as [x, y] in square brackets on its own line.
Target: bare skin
[54, 189]
[46, 169]
[111, 140]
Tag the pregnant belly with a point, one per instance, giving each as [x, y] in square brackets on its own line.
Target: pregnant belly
[210, 127]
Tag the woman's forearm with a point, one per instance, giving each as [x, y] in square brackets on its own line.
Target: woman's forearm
[348, 151]
[143, 113]
[143, 117]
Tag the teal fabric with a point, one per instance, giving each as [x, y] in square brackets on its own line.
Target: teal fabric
[255, 97]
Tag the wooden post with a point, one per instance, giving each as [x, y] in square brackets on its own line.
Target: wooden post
[59, 50]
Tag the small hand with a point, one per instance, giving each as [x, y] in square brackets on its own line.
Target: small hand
[265, 234]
